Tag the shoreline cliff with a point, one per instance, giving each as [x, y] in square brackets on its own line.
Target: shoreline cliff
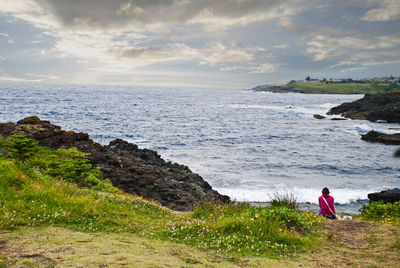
[137, 171]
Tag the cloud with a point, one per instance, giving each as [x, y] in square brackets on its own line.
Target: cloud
[288, 23]
[149, 14]
[119, 34]
[328, 47]
[387, 10]
[123, 55]
[30, 11]
[248, 37]
[355, 69]
[370, 59]
[29, 77]
[7, 37]
[264, 68]
[219, 53]
[170, 52]
[231, 57]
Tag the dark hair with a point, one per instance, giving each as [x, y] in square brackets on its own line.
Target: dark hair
[325, 191]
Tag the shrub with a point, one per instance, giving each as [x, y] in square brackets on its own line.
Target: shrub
[21, 147]
[381, 211]
[70, 165]
[284, 200]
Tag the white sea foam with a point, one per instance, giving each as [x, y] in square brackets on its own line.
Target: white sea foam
[328, 105]
[263, 107]
[301, 195]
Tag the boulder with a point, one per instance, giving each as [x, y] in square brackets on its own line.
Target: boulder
[317, 116]
[383, 106]
[397, 153]
[137, 171]
[375, 136]
[33, 120]
[388, 196]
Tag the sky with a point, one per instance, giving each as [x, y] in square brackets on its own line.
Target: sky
[234, 44]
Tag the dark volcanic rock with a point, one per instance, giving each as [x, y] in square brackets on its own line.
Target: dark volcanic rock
[138, 171]
[317, 116]
[397, 153]
[384, 106]
[277, 89]
[389, 196]
[382, 138]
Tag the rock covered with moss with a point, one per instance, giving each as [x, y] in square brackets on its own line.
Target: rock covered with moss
[138, 171]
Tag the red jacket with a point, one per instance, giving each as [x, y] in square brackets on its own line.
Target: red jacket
[324, 208]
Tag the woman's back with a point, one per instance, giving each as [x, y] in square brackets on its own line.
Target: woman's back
[325, 210]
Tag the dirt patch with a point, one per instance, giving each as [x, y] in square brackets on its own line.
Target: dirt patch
[353, 243]
[17, 257]
[39, 259]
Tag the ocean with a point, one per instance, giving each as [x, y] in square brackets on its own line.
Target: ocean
[248, 145]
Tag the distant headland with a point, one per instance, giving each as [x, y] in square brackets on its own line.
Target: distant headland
[335, 86]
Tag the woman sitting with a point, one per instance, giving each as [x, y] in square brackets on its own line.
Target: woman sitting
[327, 208]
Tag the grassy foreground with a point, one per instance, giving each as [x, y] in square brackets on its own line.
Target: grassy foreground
[56, 211]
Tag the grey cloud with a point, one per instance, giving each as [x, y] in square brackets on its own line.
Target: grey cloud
[325, 47]
[387, 10]
[370, 58]
[160, 53]
[252, 38]
[355, 51]
[137, 13]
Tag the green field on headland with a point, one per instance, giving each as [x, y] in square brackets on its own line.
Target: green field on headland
[319, 87]
[344, 88]
[56, 210]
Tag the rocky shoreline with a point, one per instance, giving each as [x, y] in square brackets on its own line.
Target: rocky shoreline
[277, 89]
[137, 171]
[385, 107]
[377, 107]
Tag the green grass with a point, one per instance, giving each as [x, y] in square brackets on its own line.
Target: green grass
[344, 88]
[47, 187]
[274, 231]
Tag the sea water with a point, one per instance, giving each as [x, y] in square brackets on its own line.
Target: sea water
[248, 145]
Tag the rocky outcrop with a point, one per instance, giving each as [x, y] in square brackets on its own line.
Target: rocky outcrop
[389, 196]
[384, 106]
[137, 171]
[375, 136]
[317, 116]
[277, 89]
